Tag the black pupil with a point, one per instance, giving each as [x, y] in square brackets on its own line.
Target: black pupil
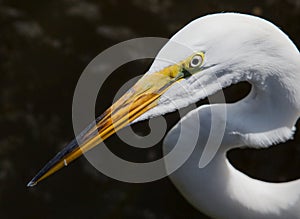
[195, 61]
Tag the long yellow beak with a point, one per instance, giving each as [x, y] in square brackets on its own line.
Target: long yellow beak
[138, 100]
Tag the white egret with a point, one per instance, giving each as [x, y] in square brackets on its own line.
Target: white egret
[229, 47]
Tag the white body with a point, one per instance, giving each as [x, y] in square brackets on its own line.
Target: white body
[221, 191]
[242, 48]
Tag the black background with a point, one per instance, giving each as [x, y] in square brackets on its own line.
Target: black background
[44, 47]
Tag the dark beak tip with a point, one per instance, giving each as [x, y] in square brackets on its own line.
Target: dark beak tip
[31, 183]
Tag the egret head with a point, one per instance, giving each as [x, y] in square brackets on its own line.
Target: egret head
[208, 54]
[234, 48]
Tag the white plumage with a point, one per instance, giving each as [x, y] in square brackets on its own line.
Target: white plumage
[238, 48]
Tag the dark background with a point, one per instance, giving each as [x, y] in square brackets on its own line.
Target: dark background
[44, 47]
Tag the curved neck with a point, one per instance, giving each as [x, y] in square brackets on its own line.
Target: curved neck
[265, 117]
[255, 197]
[221, 191]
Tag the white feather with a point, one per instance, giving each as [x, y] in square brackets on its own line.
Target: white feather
[237, 48]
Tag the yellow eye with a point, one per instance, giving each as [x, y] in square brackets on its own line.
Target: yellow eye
[196, 61]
